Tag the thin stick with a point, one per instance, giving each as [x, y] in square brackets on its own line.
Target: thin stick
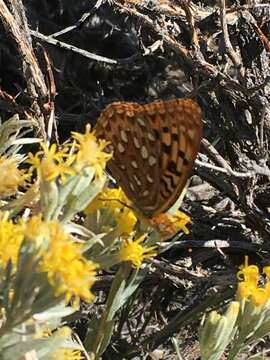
[73, 48]
[78, 23]
[229, 48]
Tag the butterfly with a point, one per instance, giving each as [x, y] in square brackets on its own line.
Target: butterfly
[154, 148]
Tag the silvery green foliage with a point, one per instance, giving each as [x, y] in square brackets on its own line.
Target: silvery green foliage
[12, 135]
[31, 309]
[239, 330]
[217, 332]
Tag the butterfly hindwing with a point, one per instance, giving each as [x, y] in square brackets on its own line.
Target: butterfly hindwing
[181, 132]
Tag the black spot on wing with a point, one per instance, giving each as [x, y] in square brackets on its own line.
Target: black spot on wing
[156, 134]
[165, 129]
[173, 169]
[181, 154]
[166, 148]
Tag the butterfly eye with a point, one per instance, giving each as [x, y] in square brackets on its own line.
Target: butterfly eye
[155, 146]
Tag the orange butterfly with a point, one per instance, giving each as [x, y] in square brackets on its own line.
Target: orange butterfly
[154, 149]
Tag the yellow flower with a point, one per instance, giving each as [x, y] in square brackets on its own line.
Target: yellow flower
[117, 204]
[249, 274]
[259, 297]
[91, 151]
[11, 177]
[126, 221]
[168, 224]
[37, 230]
[244, 290]
[110, 199]
[134, 252]
[67, 270]
[248, 284]
[179, 221]
[67, 354]
[11, 237]
[248, 277]
[61, 258]
[51, 163]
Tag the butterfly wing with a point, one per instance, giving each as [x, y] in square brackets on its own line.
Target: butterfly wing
[155, 146]
[135, 162]
[179, 123]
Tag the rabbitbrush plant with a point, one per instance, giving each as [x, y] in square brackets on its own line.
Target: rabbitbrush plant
[50, 254]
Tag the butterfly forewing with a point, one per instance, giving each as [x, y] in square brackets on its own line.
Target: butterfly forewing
[154, 147]
[135, 164]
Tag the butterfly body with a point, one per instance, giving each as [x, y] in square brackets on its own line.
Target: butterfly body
[154, 149]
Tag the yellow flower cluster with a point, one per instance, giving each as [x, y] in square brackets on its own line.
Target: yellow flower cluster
[67, 270]
[86, 151]
[117, 205]
[90, 151]
[134, 251]
[11, 238]
[11, 177]
[248, 288]
[61, 257]
[170, 224]
[51, 163]
[179, 221]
